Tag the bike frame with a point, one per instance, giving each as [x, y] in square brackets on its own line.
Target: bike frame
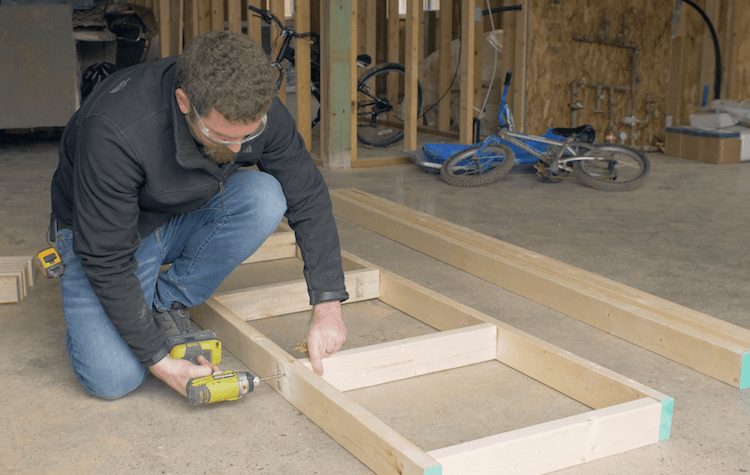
[520, 140]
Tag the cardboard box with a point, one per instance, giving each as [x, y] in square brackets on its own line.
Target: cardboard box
[710, 146]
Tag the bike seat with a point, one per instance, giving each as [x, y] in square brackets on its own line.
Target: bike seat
[584, 133]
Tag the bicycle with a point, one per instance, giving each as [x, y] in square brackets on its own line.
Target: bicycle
[561, 153]
[380, 96]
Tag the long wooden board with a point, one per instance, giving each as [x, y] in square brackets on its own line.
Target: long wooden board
[704, 343]
[630, 415]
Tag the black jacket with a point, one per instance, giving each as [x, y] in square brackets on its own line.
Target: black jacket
[128, 164]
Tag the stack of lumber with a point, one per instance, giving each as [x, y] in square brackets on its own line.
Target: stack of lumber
[16, 275]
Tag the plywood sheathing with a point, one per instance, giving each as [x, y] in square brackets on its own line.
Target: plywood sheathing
[556, 59]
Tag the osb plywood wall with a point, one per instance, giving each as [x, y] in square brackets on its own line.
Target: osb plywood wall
[557, 58]
[693, 55]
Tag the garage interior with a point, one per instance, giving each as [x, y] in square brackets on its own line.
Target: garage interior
[642, 73]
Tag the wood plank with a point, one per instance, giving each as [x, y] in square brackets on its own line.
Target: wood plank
[612, 289]
[277, 8]
[254, 28]
[234, 15]
[164, 16]
[302, 73]
[336, 107]
[466, 120]
[394, 33]
[411, 65]
[582, 380]
[9, 289]
[374, 443]
[18, 272]
[353, 72]
[555, 445]
[402, 359]
[26, 261]
[280, 299]
[716, 357]
[445, 33]
[217, 15]
[279, 245]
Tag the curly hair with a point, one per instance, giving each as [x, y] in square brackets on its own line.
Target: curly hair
[229, 72]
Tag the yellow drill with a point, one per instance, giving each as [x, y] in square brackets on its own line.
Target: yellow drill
[224, 386]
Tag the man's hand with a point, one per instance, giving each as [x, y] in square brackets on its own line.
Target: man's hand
[177, 372]
[326, 334]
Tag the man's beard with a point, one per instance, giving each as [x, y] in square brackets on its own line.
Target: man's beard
[217, 153]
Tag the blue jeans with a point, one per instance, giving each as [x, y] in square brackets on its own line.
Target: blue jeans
[204, 247]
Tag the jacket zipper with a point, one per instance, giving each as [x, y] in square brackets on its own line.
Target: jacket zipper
[221, 189]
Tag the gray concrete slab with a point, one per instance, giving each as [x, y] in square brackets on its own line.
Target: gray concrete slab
[682, 236]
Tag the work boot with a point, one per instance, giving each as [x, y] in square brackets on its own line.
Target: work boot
[174, 321]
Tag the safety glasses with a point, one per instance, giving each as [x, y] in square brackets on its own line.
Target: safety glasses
[207, 133]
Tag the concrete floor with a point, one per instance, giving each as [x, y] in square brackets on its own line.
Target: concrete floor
[683, 236]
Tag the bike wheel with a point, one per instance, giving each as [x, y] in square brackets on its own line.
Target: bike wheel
[469, 168]
[380, 105]
[612, 168]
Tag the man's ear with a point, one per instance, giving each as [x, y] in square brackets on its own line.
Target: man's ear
[182, 100]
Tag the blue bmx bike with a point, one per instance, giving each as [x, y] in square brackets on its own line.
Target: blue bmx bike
[561, 153]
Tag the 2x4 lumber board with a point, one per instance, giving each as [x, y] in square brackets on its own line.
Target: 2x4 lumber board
[613, 290]
[26, 261]
[466, 117]
[396, 360]
[555, 445]
[411, 76]
[234, 15]
[394, 33]
[217, 15]
[302, 73]
[445, 71]
[290, 297]
[9, 290]
[353, 78]
[277, 8]
[279, 245]
[716, 357]
[254, 28]
[375, 444]
[336, 107]
[18, 273]
[576, 377]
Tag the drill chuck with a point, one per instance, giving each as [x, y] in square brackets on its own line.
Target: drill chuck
[225, 386]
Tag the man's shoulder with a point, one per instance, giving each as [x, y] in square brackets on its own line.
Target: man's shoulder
[134, 93]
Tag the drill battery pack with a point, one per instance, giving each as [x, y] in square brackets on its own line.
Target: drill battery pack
[189, 346]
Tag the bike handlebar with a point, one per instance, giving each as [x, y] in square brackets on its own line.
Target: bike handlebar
[269, 18]
[266, 16]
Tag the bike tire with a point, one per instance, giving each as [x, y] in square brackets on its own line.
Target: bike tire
[465, 168]
[380, 118]
[620, 169]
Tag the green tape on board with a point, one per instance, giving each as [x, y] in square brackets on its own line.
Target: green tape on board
[436, 470]
[745, 372]
[665, 426]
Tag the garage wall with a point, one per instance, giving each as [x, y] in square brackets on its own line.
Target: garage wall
[556, 59]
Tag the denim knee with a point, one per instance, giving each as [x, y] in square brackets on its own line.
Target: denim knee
[109, 379]
[257, 196]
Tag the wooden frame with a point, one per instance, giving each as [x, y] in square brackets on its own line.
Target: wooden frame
[712, 346]
[626, 414]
